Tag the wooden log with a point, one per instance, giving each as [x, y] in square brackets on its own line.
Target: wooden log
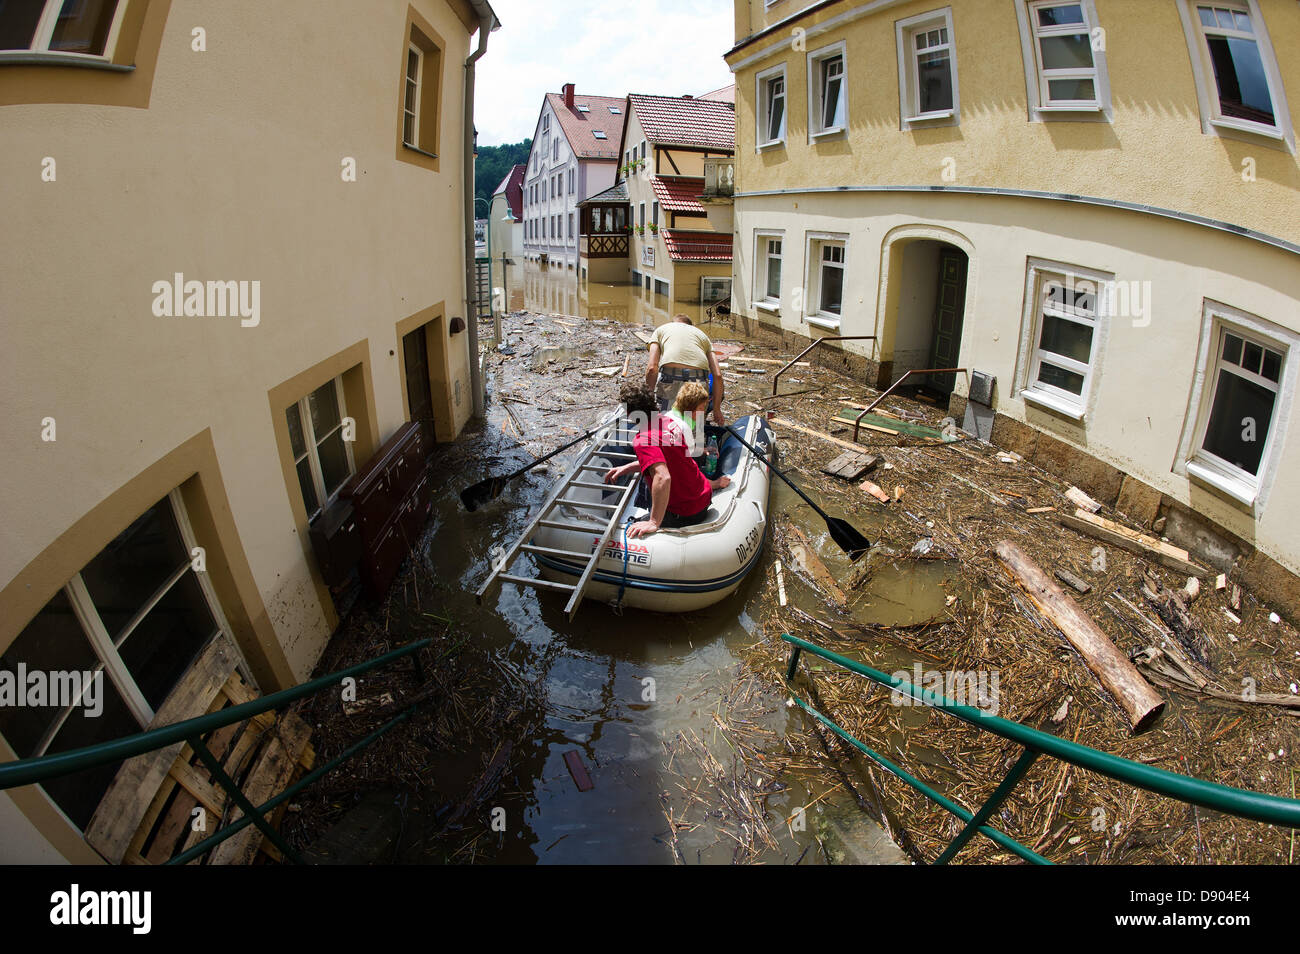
[1139, 543]
[783, 422]
[1141, 704]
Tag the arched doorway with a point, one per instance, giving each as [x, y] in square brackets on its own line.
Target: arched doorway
[924, 278]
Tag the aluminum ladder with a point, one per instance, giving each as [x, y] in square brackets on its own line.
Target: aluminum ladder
[580, 477]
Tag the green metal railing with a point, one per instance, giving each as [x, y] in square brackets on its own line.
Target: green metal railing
[1256, 806]
[45, 767]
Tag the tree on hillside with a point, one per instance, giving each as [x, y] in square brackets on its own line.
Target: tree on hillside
[494, 164]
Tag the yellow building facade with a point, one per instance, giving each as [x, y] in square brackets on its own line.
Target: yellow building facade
[1094, 204]
[231, 272]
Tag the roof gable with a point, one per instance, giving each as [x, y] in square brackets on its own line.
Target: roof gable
[686, 121]
[580, 126]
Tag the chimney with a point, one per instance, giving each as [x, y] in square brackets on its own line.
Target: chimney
[568, 95]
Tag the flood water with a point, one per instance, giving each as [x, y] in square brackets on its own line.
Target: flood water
[618, 687]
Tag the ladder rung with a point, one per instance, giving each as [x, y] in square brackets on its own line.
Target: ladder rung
[578, 503]
[620, 456]
[591, 486]
[527, 581]
[584, 557]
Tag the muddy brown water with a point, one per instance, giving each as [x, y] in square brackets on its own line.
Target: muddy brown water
[617, 688]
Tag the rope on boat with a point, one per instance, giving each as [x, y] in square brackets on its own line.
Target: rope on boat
[622, 585]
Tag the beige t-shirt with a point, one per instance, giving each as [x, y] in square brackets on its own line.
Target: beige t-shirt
[680, 343]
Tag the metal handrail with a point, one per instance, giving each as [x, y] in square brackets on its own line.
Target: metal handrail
[1256, 806]
[777, 378]
[889, 390]
[44, 767]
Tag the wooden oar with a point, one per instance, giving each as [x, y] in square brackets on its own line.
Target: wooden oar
[842, 532]
[490, 489]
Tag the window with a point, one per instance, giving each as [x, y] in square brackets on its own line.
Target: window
[714, 290]
[546, 123]
[411, 101]
[826, 258]
[570, 225]
[1065, 60]
[1066, 308]
[421, 96]
[583, 109]
[573, 179]
[82, 28]
[767, 279]
[1237, 402]
[322, 455]
[555, 150]
[661, 287]
[615, 111]
[654, 213]
[599, 133]
[771, 106]
[827, 97]
[642, 148]
[1237, 76]
[136, 615]
[927, 68]
[640, 215]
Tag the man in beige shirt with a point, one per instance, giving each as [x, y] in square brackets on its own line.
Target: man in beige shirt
[679, 353]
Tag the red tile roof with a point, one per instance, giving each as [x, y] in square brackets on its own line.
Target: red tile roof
[579, 127]
[686, 121]
[513, 186]
[678, 193]
[697, 246]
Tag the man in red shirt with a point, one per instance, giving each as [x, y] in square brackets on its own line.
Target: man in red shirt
[679, 491]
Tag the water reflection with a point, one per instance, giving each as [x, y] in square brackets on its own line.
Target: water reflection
[556, 290]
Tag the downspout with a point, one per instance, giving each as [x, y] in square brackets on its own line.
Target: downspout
[486, 21]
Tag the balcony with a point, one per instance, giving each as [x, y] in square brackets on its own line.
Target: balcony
[609, 245]
[719, 181]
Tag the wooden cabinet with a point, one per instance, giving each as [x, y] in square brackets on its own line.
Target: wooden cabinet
[390, 497]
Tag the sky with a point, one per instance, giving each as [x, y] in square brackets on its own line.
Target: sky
[609, 48]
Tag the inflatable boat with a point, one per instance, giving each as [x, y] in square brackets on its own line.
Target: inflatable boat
[671, 570]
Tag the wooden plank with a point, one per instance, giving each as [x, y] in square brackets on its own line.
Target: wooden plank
[1141, 704]
[178, 820]
[890, 425]
[124, 805]
[269, 777]
[579, 771]
[1069, 579]
[1126, 539]
[1082, 500]
[200, 786]
[875, 491]
[804, 557]
[851, 465]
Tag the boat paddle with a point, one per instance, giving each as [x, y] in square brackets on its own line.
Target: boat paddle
[841, 531]
[490, 489]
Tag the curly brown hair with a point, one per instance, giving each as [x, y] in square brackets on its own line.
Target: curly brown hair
[638, 398]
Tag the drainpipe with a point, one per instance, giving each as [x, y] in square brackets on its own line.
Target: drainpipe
[487, 22]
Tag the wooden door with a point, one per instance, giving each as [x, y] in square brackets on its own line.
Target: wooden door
[415, 353]
[950, 306]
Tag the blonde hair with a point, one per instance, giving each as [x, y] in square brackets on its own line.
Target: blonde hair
[691, 395]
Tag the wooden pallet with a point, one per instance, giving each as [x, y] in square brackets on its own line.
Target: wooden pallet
[851, 465]
[150, 811]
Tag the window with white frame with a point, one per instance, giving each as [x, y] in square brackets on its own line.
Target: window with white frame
[570, 226]
[1246, 380]
[640, 215]
[1064, 52]
[654, 213]
[927, 67]
[767, 279]
[615, 111]
[826, 260]
[827, 95]
[135, 617]
[76, 28]
[322, 455]
[1066, 309]
[546, 123]
[771, 106]
[583, 109]
[1237, 73]
[573, 179]
[411, 101]
[555, 150]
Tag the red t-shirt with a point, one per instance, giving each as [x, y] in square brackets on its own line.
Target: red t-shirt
[689, 492]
